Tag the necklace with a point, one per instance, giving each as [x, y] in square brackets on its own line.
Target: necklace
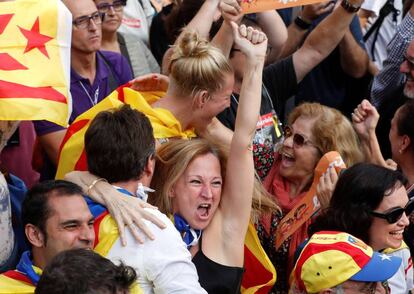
[95, 96]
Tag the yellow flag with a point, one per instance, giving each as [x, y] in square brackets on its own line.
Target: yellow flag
[35, 39]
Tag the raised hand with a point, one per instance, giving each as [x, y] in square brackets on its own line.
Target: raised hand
[231, 10]
[326, 186]
[313, 11]
[252, 42]
[365, 118]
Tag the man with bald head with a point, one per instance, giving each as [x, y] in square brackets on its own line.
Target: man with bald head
[94, 75]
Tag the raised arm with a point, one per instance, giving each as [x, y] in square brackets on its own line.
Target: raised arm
[204, 18]
[297, 33]
[323, 39]
[273, 26]
[354, 59]
[364, 119]
[231, 224]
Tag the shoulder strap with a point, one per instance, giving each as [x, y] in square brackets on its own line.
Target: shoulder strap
[385, 10]
[112, 77]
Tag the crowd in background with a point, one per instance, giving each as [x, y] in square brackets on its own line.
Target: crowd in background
[270, 152]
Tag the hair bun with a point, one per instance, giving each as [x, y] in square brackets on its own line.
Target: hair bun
[190, 44]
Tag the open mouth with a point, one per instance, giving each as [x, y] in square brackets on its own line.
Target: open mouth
[204, 210]
[287, 159]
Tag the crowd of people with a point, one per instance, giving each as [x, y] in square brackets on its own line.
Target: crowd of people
[270, 152]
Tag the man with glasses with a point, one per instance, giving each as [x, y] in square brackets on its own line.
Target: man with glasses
[394, 83]
[336, 262]
[94, 75]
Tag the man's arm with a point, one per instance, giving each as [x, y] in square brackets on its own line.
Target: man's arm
[296, 34]
[51, 144]
[390, 79]
[323, 40]
[273, 26]
[354, 59]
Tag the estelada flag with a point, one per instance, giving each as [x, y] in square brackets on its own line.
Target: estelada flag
[260, 274]
[72, 154]
[35, 40]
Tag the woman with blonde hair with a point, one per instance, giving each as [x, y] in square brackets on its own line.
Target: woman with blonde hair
[211, 199]
[312, 130]
[199, 87]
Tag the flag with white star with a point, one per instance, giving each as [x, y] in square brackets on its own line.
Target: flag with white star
[35, 39]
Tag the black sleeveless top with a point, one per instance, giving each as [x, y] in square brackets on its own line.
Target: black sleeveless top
[216, 278]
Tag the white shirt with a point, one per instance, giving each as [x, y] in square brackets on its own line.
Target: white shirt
[387, 29]
[163, 265]
[137, 19]
[402, 281]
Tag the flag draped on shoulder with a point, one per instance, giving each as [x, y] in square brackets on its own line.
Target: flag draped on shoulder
[72, 154]
[35, 40]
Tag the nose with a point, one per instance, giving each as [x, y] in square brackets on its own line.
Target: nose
[92, 25]
[288, 142]
[404, 221]
[111, 11]
[206, 192]
[87, 235]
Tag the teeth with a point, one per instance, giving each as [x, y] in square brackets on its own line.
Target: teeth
[205, 205]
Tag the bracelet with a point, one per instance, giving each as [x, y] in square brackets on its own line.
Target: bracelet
[351, 8]
[301, 23]
[94, 183]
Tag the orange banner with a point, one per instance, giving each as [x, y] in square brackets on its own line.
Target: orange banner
[264, 5]
[309, 205]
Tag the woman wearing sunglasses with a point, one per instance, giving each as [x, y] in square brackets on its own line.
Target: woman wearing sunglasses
[371, 203]
[132, 48]
[312, 130]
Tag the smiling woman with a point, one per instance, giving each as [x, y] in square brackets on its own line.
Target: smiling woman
[371, 203]
[309, 135]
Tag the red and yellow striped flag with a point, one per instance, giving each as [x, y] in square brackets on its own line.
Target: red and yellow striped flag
[72, 154]
[35, 38]
[260, 274]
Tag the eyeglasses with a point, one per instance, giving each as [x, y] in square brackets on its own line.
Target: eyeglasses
[116, 5]
[298, 139]
[83, 22]
[395, 214]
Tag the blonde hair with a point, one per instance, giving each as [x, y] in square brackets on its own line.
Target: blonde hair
[197, 65]
[173, 158]
[332, 131]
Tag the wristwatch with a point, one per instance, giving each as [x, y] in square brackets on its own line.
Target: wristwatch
[301, 23]
[349, 7]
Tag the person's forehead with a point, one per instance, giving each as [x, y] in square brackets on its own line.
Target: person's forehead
[68, 207]
[81, 8]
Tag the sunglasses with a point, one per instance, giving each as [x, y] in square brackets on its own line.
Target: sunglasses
[298, 139]
[395, 214]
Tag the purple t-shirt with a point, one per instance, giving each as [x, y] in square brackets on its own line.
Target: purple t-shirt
[85, 95]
